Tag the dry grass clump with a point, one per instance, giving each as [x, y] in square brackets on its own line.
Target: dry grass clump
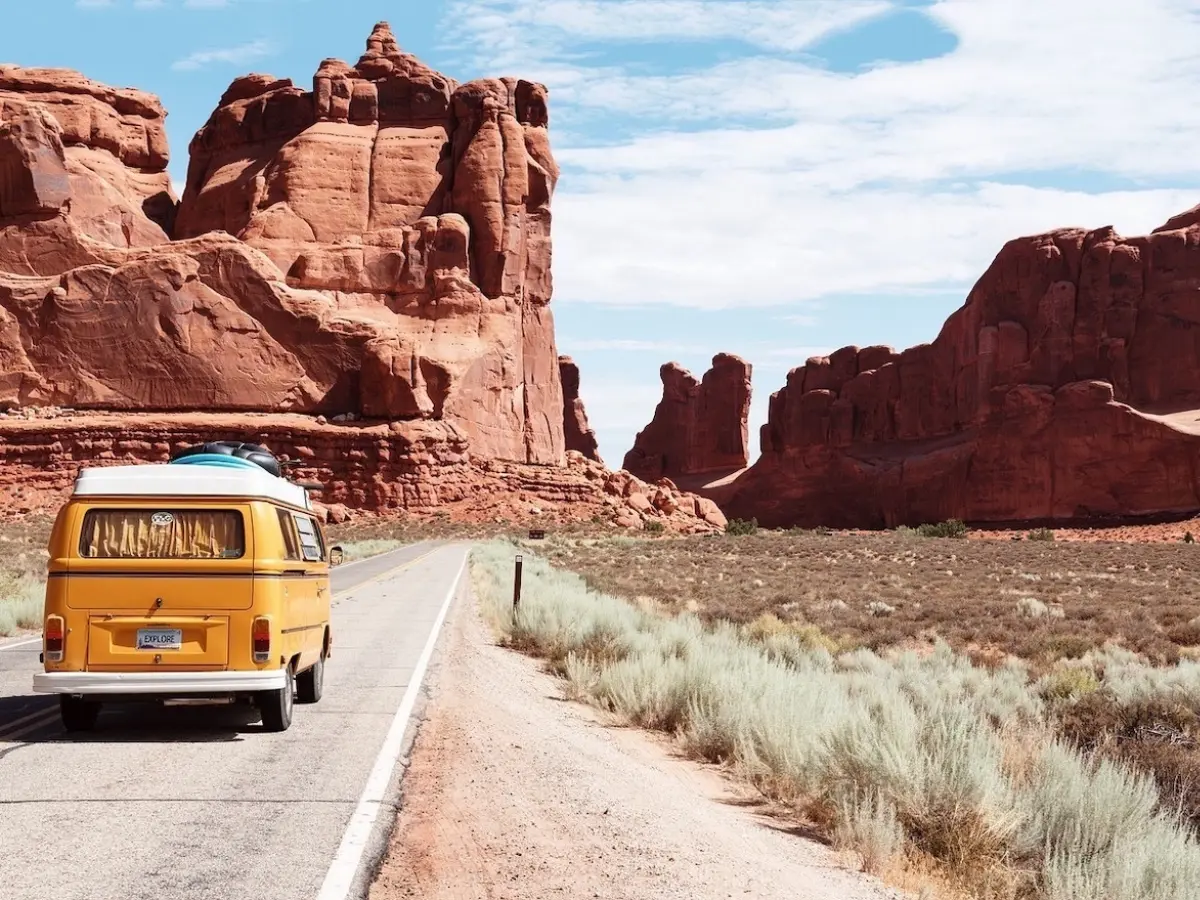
[353, 550]
[981, 597]
[917, 756]
[23, 559]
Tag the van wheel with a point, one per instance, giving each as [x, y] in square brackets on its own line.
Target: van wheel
[78, 714]
[277, 705]
[310, 684]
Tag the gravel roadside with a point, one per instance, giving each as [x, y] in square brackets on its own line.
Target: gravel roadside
[514, 794]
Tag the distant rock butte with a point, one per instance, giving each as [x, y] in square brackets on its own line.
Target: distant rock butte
[1066, 388]
[698, 426]
[579, 435]
[376, 250]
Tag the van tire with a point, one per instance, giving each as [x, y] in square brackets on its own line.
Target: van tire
[310, 684]
[276, 706]
[78, 714]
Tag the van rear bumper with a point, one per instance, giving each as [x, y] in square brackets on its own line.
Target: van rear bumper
[168, 683]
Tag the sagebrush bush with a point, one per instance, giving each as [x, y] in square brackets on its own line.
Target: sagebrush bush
[22, 597]
[923, 752]
[740, 527]
[353, 550]
[951, 528]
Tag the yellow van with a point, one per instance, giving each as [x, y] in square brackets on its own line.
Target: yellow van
[203, 579]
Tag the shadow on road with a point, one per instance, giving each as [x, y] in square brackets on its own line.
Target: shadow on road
[13, 709]
[143, 723]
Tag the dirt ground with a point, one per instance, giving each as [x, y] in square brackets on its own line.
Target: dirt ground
[1038, 600]
[516, 794]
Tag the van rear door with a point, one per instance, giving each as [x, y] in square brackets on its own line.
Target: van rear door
[162, 559]
[156, 580]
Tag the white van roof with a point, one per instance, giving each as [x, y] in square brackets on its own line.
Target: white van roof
[165, 480]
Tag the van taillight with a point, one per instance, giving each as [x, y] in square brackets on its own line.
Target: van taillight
[54, 635]
[260, 633]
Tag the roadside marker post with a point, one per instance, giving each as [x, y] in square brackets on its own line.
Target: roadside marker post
[517, 585]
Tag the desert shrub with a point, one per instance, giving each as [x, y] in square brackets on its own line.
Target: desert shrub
[366, 548]
[779, 637]
[655, 527]
[951, 528]
[910, 752]
[1185, 634]
[1067, 683]
[739, 527]
[1032, 608]
[1041, 534]
[22, 597]
[868, 823]
[1188, 538]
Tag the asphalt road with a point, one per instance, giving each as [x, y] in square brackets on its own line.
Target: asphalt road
[184, 803]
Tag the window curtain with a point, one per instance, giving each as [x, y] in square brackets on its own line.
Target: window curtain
[159, 534]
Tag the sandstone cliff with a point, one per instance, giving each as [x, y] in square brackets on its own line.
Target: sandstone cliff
[378, 246]
[1063, 389]
[357, 275]
[699, 426]
[578, 433]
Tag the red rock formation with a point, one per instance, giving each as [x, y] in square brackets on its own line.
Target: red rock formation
[421, 467]
[698, 426]
[379, 246]
[1059, 391]
[579, 435]
[70, 144]
[376, 250]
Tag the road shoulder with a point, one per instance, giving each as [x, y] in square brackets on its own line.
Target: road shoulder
[512, 792]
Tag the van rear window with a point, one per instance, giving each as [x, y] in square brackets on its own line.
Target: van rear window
[162, 534]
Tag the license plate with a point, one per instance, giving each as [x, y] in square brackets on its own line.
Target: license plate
[159, 638]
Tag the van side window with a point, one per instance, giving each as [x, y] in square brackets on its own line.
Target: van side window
[149, 533]
[310, 539]
[291, 537]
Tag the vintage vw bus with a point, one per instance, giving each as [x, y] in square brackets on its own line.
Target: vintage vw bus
[206, 578]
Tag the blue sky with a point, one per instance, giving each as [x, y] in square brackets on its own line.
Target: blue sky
[774, 178]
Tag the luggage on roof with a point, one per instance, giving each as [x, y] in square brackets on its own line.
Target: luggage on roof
[225, 452]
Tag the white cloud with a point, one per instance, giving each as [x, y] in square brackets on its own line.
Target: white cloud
[738, 240]
[519, 26]
[763, 179]
[768, 180]
[242, 53]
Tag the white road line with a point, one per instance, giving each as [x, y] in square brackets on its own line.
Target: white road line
[36, 640]
[340, 878]
[47, 717]
[25, 718]
[359, 562]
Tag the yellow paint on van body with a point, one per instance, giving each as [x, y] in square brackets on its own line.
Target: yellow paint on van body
[213, 602]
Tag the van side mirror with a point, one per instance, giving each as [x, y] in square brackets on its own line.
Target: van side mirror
[335, 556]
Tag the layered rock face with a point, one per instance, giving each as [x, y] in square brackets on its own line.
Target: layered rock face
[69, 145]
[698, 426]
[578, 433]
[357, 276]
[1061, 390]
[378, 246]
